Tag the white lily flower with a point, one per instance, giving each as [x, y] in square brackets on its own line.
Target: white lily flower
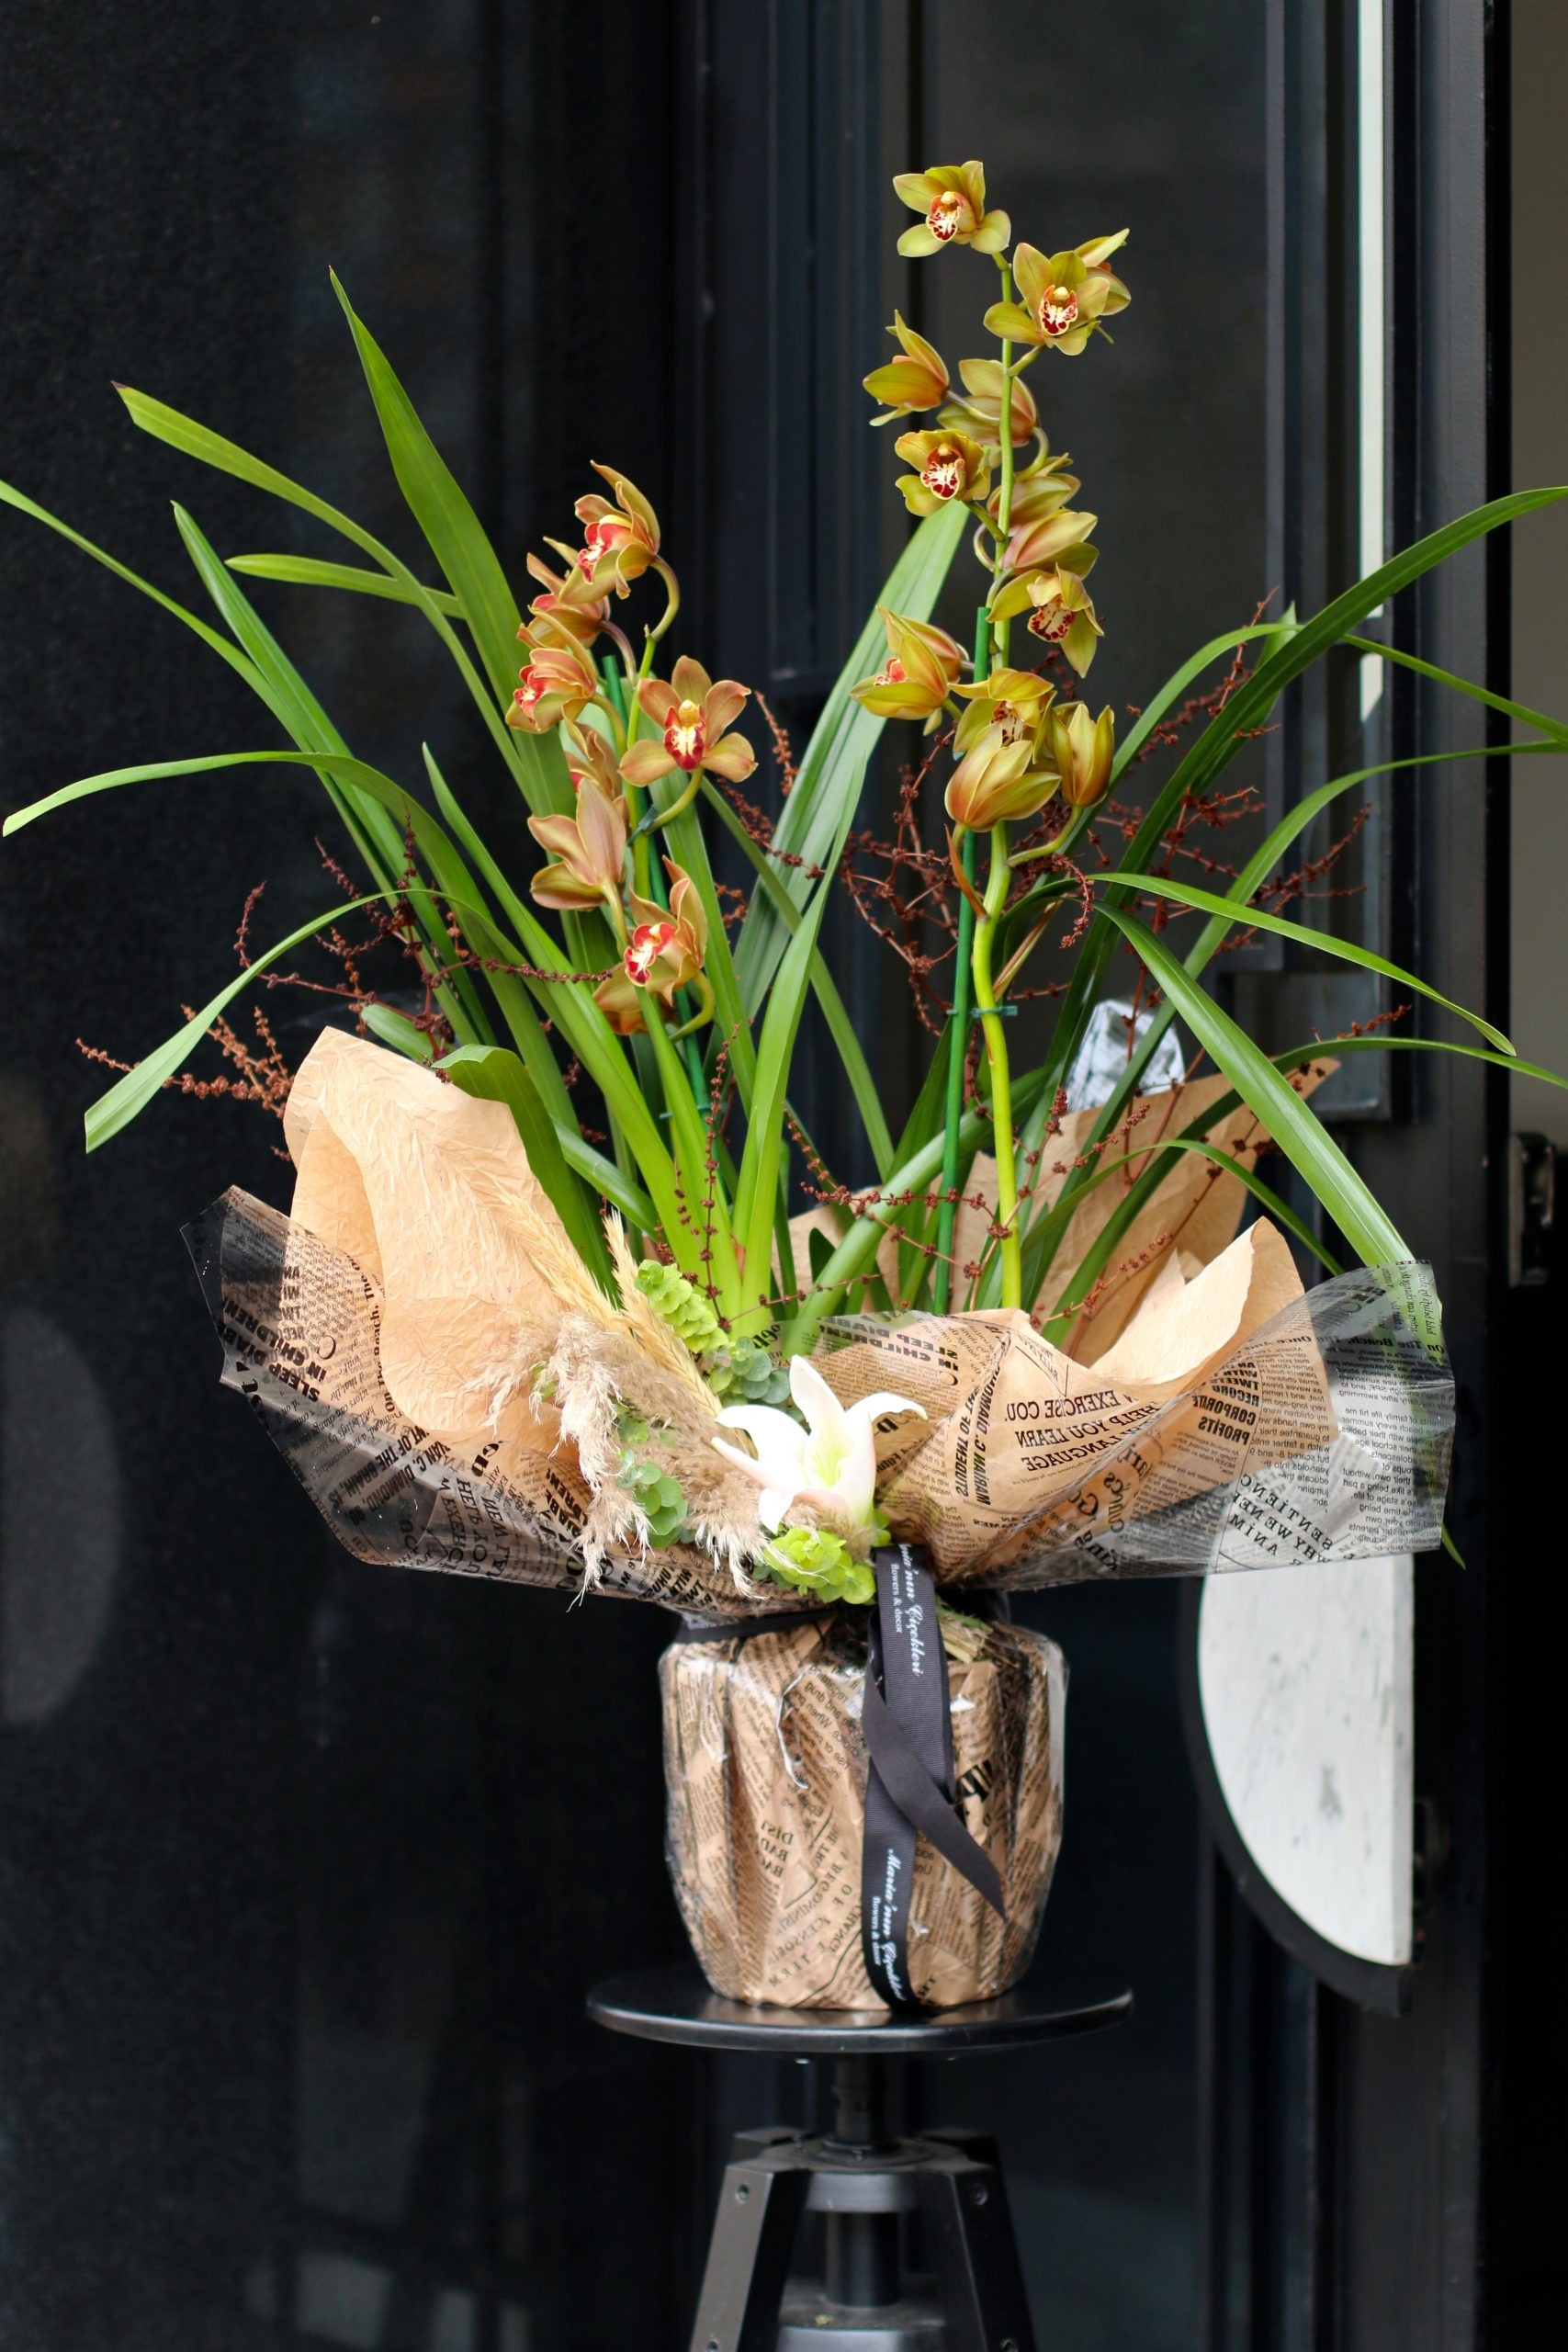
[830, 1464]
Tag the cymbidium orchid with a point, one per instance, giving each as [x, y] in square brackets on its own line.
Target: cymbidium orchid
[567, 603]
[1049, 537]
[619, 541]
[1082, 750]
[1062, 613]
[1014, 700]
[589, 851]
[918, 381]
[590, 758]
[952, 197]
[1063, 297]
[979, 411]
[922, 666]
[692, 712]
[829, 1464]
[946, 466]
[1042, 489]
[557, 683]
[665, 951]
[1059, 608]
[1000, 780]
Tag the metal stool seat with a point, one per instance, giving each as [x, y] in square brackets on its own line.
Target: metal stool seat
[864, 2180]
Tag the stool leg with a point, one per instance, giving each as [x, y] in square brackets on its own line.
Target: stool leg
[972, 2250]
[753, 2237]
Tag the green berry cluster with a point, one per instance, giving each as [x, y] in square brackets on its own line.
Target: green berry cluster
[814, 1560]
[689, 1314]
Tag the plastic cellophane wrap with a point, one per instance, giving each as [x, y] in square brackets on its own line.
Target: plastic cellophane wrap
[441, 1374]
[766, 1772]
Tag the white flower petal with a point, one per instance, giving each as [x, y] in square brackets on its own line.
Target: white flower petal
[777, 1436]
[882, 1400]
[817, 1400]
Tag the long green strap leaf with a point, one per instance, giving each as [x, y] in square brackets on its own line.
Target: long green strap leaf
[864, 1086]
[1294, 1127]
[309, 571]
[1247, 709]
[130, 1094]
[1344, 951]
[1553, 728]
[833, 764]
[182, 432]
[1044, 1234]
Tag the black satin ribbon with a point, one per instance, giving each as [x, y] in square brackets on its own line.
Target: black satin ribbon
[909, 1786]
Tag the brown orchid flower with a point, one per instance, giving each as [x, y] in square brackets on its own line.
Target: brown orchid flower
[979, 411]
[692, 712]
[1063, 296]
[665, 951]
[1042, 489]
[619, 541]
[589, 851]
[1014, 700]
[589, 759]
[557, 683]
[1051, 539]
[918, 381]
[1082, 750]
[915, 681]
[1052, 593]
[946, 466]
[569, 603]
[997, 781]
[951, 197]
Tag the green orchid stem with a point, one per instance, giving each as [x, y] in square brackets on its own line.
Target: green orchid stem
[1004, 503]
[704, 991]
[656, 817]
[671, 607]
[958, 1032]
[994, 1031]
[616, 689]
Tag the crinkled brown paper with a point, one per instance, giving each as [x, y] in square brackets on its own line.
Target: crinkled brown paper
[391, 1335]
[766, 1769]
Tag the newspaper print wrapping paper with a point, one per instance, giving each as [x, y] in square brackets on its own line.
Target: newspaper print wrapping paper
[765, 1772]
[387, 1334]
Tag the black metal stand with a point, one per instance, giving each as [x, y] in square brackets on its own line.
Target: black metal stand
[868, 2184]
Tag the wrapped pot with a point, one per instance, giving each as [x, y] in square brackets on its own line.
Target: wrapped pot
[784, 1887]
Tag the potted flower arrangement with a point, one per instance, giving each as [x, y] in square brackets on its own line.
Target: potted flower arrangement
[567, 1293]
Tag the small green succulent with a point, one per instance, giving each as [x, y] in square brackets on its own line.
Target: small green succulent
[814, 1560]
[651, 1486]
[744, 1372]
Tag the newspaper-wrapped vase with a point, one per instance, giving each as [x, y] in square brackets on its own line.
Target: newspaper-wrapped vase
[766, 1770]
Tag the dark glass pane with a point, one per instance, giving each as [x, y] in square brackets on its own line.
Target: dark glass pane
[1146, 120]
[304, 1866]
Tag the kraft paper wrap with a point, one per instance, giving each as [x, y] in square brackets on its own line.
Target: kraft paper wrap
[391, 1333]
[765, 1771]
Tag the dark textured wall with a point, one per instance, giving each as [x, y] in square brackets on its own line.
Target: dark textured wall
[304, 1866]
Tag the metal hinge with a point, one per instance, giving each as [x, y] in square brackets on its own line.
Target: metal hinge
[1532, 1203]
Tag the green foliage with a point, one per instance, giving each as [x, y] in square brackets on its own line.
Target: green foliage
[814, 1560]
[682, 1306]
[650, 1486]
[746, 1372]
